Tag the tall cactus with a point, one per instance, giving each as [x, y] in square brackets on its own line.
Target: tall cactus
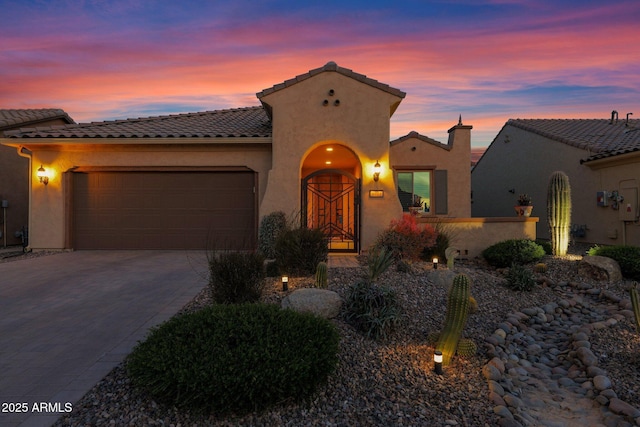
[559, 212]
[455, 318]
[321, 275]
[635, 303]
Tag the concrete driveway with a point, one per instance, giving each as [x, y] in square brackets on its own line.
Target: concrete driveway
[67, 319]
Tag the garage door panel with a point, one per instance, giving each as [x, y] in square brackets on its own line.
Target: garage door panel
[164, 210]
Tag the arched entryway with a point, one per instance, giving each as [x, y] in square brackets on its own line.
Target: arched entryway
[331, 195]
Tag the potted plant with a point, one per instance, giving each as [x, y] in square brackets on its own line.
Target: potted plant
[416, 205]
[524, 206]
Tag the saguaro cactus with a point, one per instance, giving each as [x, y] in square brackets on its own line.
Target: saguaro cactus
[455, 318]
[635, 303]
[321, 275]
[559, 212]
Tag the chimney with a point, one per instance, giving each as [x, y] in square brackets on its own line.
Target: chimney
[614, 113]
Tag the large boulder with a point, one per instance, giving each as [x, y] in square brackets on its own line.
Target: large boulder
[321, 302]
[600, 268]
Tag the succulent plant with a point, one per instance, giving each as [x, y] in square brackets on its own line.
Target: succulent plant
[540, 267]
[455, 318]
[559, 212]
[635, 303]
[321, 275]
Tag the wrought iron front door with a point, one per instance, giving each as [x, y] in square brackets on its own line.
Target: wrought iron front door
[331, 202]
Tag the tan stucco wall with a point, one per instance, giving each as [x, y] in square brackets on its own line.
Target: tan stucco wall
[523, 161]
[473, 235]
[456, 161]
[48, 210]
[361, 122]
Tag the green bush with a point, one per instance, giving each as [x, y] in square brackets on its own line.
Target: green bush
[235, 358]
[520, 278]
[372, 309]
[518, 251]
[236, 277]
[378, 262]
[299, 250]
[546, 245]
[628, 257]
[271, 226]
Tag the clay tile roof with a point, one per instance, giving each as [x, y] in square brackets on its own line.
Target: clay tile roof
[332, 66]
[416, 135]
[600, 137]
[237, 122]
[12, 118]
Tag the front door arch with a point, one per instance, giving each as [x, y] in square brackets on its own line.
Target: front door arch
[331, 202]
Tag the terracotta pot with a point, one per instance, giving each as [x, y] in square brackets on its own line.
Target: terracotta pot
[523, 210]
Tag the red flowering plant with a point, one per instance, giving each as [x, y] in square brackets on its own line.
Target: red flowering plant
[406, 239]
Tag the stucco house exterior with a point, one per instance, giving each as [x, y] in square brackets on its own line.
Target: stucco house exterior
[317, 145]
[600, 156]
[14, 170]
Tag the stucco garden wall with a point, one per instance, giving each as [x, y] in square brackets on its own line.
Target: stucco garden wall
[48, 201]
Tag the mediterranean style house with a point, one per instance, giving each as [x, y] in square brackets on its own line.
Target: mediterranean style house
[14, 170]
[600, 156]
[317, 146]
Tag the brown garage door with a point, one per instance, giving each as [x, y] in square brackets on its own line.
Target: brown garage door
[164, 210]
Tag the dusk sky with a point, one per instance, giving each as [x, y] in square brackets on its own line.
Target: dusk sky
[488, 60]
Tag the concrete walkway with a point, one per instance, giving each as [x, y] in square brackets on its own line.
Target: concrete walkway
[67, 319]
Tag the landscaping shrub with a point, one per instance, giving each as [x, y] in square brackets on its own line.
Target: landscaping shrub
[235, 358]
[546, 245]
[372, 309]
[518, 251]
[271, 226]
[378, 262]
[438, 249]
[628, 257]
[405, 238]
[299, 250]
[520, 278]
[236, 277]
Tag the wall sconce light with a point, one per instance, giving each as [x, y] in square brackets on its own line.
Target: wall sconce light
[435, 263]
[437, 362]
[285, 283]
[42, 174]
[376, 171]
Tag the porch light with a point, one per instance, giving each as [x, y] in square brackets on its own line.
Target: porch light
[42, 174]
[285, 283]
[437, 362]
[435, 263]
[376, 171]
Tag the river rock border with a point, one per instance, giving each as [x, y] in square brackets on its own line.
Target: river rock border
[547, 349]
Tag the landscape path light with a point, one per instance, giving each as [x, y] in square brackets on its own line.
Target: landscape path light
[437, 362]
[435, 263]
[285, 283]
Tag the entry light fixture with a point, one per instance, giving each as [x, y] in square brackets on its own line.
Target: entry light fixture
[285, 283]
[376, 171]
[437, 362]
[42, 174]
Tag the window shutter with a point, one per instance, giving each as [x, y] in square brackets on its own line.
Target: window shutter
[442, 207]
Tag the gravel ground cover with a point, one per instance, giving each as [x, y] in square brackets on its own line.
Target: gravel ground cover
[392, 382]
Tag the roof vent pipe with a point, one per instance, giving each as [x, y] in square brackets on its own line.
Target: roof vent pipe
[627, 123]
[614, 113]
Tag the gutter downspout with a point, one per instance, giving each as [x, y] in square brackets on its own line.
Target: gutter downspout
[24, 152]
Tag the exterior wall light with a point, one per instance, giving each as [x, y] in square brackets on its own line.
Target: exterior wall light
[437, 362]
[435, 263]
[42, 174]
[376, 171]
[285, 283]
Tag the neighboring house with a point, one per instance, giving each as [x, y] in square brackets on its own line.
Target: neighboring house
[317, 147]
[14, 170]
[600, 156]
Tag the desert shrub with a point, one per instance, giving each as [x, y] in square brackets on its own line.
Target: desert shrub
[372, 309]
[405, 238]
[546, 245]
[378, 262]
[236, 277]
[628, 257]
[518, 251]
[271, 226]
[234, 358]
[299, 250]
[520, 278]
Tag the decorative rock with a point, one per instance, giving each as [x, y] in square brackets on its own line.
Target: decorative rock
[601, 382]
[586, 356]
[490, 372]
[321, 302]
[512, 400]
[621, 407]
[503, 412]
[600, 268]
[499, 364]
